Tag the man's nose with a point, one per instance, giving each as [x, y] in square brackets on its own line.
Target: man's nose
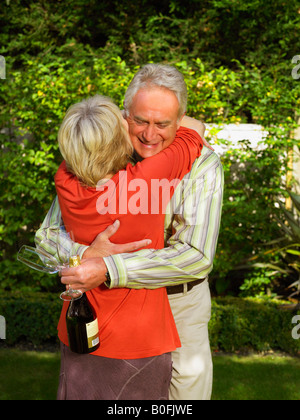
[150, 133]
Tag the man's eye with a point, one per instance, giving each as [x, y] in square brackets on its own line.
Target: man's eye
[139, 122]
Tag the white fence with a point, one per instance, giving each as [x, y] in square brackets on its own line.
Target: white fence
[255, 134]
[235, 133]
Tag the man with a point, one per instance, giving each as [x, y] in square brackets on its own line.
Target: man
[191, 231]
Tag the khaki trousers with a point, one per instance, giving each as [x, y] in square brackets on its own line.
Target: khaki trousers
[192, 363]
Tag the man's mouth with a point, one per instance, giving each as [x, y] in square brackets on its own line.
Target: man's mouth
[149, 145]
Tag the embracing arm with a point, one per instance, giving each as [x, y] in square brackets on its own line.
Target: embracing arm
[46, 235]
[91, 272]
[190, 249]
[46, 238]
[194, 224]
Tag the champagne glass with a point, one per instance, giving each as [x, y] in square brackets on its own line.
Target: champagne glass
[64, 241]
[40, 260]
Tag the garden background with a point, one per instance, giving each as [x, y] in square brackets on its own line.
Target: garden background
[240, 60]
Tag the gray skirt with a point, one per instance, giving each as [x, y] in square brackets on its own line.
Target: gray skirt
[88, 377]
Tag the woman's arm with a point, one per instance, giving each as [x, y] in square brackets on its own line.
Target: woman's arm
[173, 162]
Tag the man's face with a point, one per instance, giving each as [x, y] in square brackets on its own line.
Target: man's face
[153, 120]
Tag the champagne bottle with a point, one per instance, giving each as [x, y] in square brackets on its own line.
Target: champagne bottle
[82, 323]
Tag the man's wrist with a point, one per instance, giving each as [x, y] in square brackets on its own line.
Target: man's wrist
[117, 270]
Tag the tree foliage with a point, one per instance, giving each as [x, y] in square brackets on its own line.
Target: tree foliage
[236, 60]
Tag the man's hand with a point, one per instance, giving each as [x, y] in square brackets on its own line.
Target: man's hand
[196, 125]
[102, 247]
[88, 275]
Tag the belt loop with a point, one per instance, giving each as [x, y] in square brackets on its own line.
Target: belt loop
[185, 288]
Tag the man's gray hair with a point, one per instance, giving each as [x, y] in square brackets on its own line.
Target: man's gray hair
[160, 75]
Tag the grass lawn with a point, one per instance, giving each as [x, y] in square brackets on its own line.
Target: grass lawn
[255, 377]
[29, 375]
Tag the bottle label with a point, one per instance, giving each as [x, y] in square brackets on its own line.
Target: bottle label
[92, 332]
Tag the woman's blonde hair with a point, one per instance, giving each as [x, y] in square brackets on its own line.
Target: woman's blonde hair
[93, 140]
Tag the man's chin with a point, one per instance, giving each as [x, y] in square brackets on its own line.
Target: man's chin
[144, 154]
[146, 151]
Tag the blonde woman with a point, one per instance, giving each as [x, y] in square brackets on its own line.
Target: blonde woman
[137, 329]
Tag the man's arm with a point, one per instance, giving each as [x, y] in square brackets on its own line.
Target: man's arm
[46, 236]
[192, 238]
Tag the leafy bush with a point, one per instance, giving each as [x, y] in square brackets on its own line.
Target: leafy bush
[30, 149]
[31, 154]
[248, 323]
[236, 324]
[280, 258]
[55, 58]
[30, 317]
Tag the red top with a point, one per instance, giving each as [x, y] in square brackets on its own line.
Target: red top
[132, 323]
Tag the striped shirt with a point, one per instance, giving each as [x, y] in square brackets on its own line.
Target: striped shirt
[192, 224]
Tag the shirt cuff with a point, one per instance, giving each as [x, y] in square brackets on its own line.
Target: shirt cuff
[117, 271]
[79, 250]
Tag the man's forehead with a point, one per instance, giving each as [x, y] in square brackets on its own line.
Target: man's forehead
[156, 103]
[151, 118]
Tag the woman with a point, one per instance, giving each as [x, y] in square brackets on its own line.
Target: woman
[133, 361]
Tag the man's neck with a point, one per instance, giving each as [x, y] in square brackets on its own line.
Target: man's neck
[136, 157]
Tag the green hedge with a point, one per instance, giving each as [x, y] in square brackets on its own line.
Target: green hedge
[252, 324]
[30, 317]
[236, 323]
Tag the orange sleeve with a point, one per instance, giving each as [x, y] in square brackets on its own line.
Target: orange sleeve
[172, 163]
